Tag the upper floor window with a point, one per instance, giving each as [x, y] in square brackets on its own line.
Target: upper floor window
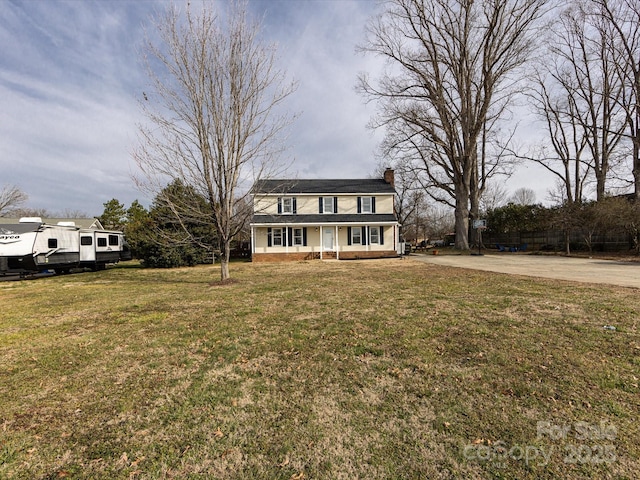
[287, 205]
[366, 204]
[328, 204]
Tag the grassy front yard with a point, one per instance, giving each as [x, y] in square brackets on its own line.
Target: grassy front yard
[373, 369]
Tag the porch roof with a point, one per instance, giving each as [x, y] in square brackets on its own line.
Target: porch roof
[325, 219]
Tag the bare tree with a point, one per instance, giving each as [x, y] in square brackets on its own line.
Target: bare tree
[409, 198]
[579, 94]
[565, 158]
[214, 115]
[11, 197]
[623, 17]
[493, 196]
[452, 72]
[585, 73]
[523, 196]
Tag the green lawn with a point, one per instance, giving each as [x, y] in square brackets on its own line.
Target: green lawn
[365, 369]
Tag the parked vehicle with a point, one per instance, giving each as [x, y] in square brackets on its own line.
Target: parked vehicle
[33, 246]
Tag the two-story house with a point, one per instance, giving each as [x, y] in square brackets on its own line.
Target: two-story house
[324, 219]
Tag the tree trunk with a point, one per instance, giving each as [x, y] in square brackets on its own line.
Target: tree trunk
[636, 166]
[462, 216]
[225, 255]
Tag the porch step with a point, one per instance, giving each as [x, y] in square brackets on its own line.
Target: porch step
[329, 255]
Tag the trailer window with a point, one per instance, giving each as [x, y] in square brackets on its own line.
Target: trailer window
[102, 242]
[113, 239]
[52, 243]
[86, 240]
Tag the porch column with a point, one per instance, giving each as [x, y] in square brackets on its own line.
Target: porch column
[253, 241]
[321, 228]
[365, 234]
[337, 245]
[396, 238]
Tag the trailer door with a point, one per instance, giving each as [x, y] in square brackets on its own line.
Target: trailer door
[87, 247]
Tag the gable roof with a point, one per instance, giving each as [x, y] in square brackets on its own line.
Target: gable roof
[319, 186]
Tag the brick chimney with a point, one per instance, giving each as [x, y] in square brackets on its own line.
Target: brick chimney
[389, 177]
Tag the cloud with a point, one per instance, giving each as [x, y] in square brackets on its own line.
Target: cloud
[71, 77]
[317, 45]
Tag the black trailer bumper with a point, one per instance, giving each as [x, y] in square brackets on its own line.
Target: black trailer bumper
[14, 265]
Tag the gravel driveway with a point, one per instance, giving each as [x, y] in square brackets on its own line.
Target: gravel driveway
[589, 270]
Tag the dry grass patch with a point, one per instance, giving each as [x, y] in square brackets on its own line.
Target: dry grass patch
[363, 369]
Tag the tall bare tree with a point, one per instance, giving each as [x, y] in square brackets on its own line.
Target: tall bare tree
[598, 87]
[623, 16]
[579, 96]
[452, 71]
[564, 154]
[215, 114]
[11, 197]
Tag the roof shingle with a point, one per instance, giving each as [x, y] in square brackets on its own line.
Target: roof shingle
[320, 186]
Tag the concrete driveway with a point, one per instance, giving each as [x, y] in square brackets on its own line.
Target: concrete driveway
[589, 270]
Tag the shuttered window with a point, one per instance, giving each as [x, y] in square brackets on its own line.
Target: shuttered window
[356, 236]
[277, 237]
[287, 205]
[281, 237]
[328, 205]
[374, 235]
[366, 204]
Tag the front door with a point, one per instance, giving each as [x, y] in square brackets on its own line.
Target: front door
[327, 238]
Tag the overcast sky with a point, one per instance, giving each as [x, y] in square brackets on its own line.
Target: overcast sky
[71, 79]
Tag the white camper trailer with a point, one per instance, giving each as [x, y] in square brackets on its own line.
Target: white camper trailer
[31, 246]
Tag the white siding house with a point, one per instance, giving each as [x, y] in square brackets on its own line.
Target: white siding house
[324, 219]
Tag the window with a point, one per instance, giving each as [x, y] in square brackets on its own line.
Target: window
[52, 243]
[113, 240]
[328, 204]
[287, 237]
[366, 204]
[102, 242]
[86, 240]
[277, 237]
[287, 205]
[356, 235]
[374, 235]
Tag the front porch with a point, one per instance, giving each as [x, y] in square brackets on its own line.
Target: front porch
[278, 242]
